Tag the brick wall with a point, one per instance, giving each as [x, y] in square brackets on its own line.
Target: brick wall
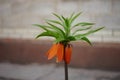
[17, 16]
[100, 55]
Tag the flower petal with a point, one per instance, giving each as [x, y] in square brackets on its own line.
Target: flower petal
[52, 51]
[60, 52]
[68, 52]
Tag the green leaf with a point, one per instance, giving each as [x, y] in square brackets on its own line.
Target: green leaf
[59, 40]
[63, 18]
[65, 24]
[48, 33]
[56, 22]
[86, 39]
[81, 29]
[42, 26]
[83, 24]
[73, 18]
[64, 21]
[60, 31]
[57, 16]
[71, 38]
[93, 31]
[79, 36]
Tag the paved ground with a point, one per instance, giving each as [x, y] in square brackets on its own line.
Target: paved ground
[51, 72]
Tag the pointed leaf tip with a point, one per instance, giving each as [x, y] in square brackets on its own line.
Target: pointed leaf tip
[87, 40]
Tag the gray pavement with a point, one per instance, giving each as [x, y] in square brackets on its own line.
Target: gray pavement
[52, 72]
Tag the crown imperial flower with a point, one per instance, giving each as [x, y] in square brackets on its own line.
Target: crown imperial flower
[64, 31]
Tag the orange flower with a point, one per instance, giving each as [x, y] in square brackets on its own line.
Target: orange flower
[68, 52]
[52, 52]
[58, 51]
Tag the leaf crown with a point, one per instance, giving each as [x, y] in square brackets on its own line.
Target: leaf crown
[65, 30]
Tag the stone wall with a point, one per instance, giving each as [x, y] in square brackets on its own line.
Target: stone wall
[17, 16]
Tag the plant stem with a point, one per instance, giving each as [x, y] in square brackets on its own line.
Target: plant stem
[65, 65]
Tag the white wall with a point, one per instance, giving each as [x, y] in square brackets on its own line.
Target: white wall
[17, 16]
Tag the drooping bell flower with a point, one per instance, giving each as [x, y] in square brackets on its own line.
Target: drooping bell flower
[68, 53]
[52, 52]
[57, 50]
[60, 52]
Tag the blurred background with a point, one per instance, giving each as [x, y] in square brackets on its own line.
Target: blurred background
[22, 57]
